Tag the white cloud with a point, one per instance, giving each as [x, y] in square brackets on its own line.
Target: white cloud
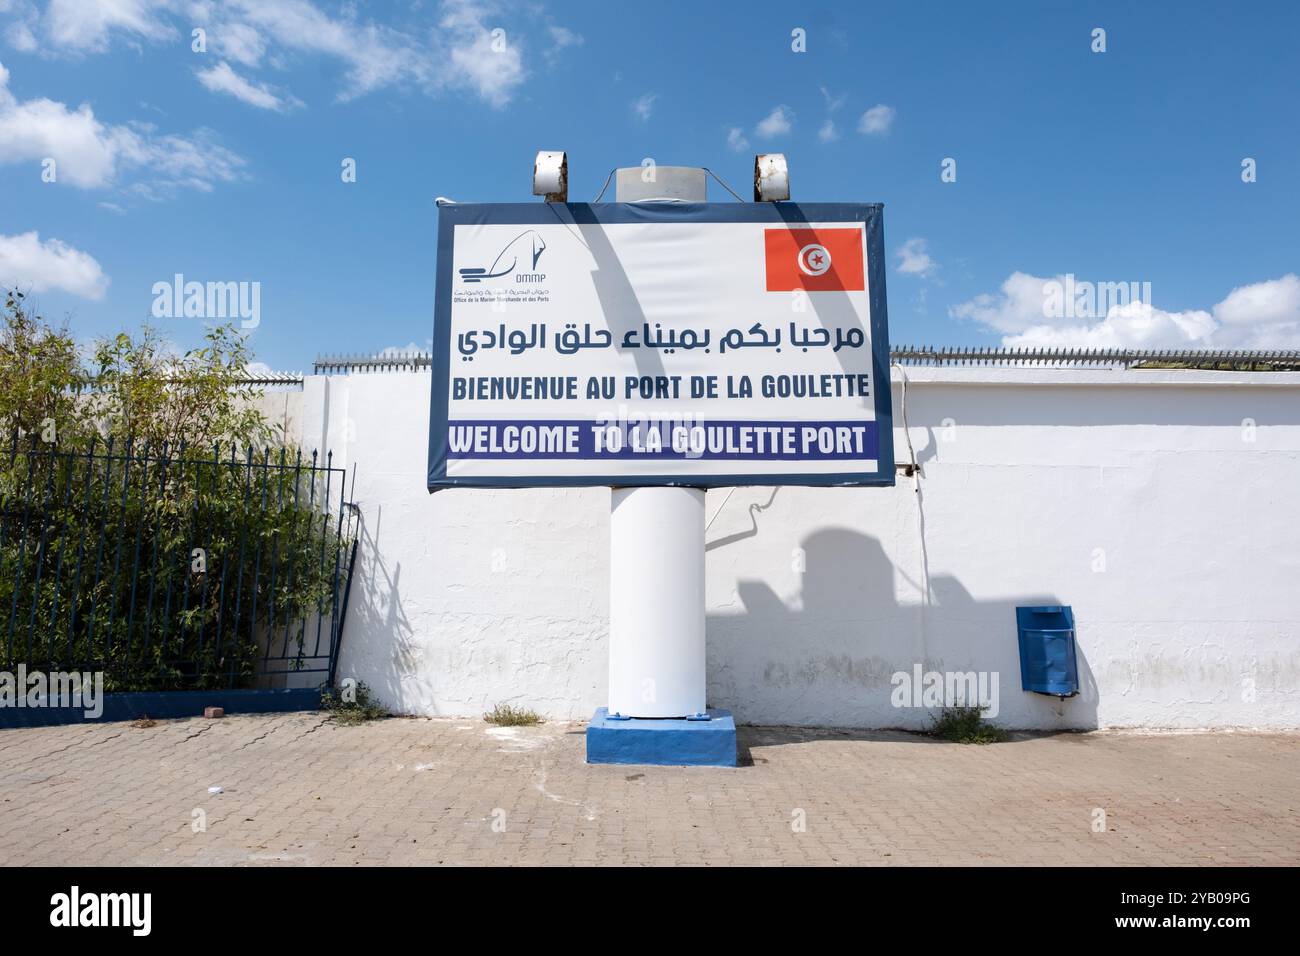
[736, 139]
[86, 25]
[196, 161]
[828, 133]
[85, 151]
[89, 154]
[877, 120]
[833, 102]
[28, 263]
[1135, 325]
[643, 105]
[373, 56]
[776, 123]
[20, 37]
[222, 79]
[463, 51]
[491, 66]
[1275, 302]
[561, 39]
[239, 42]
[914, 260]
[1016, 308]
[1263, 315]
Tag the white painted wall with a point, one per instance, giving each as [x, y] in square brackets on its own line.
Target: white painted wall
[1139, 498]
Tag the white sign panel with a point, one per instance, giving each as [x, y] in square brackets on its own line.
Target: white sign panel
[660, 343]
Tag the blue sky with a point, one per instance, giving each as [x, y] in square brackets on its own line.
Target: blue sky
[224, 165]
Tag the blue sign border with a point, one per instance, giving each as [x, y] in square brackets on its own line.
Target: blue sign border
[451, 215]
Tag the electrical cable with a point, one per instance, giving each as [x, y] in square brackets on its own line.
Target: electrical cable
[606, 186]
[724, 185]
[907, 432]
[720, 180]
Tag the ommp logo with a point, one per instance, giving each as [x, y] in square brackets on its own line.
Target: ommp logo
[508, 261]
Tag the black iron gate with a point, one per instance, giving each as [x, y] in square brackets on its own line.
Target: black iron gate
[174, 568]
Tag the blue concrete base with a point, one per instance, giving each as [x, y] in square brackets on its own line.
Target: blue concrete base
[674, 742]
[167, 704]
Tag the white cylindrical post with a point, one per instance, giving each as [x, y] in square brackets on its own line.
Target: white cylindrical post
[656, 593]
[656, 551]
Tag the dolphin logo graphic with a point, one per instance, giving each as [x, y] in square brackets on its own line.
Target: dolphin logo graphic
[508, 257]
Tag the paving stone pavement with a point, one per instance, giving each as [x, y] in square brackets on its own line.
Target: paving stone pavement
[298, 789]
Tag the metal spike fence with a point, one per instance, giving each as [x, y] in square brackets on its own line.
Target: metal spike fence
[1276, 360]
[174, 568]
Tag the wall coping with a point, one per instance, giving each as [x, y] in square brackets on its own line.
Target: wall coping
[1037, 375]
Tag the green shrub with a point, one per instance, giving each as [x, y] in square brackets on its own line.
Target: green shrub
[505, 715]
[966, 725]
[141, 533]
[356, 707]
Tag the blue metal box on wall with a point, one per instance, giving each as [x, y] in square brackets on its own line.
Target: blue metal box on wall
[1048, 660]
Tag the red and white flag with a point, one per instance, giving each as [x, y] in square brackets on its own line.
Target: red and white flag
[816, 260]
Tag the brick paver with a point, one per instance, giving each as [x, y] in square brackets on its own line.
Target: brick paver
[297, 789]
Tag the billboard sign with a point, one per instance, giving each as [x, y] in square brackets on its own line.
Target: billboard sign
[664, 343]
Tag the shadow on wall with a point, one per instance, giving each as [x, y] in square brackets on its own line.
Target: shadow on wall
[830, 659]
[377, 646]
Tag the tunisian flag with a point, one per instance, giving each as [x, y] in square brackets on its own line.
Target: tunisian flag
[817, 260]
